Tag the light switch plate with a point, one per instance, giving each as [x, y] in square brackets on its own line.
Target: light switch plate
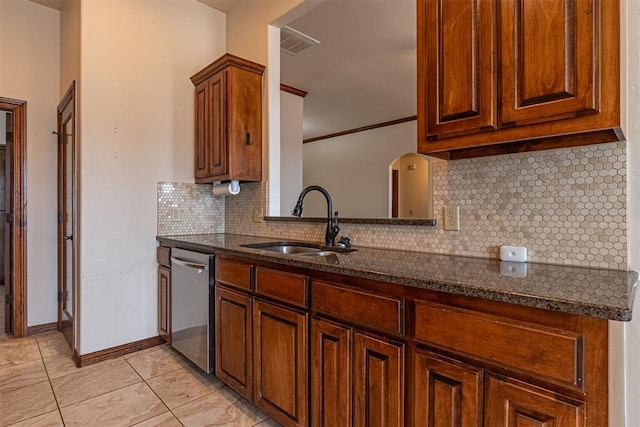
[258, 215]
[452, 218]
[175, 214]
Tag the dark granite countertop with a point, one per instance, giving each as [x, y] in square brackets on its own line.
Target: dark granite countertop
[591, 292]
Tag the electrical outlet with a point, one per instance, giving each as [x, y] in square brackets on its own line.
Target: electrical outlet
[175, 214]
[452, 218]
[258, 215]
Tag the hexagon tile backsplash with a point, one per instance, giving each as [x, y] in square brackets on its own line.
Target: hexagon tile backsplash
[567, 206]
[185, 208]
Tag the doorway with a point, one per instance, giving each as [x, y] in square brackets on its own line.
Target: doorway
[6, 137]
[13, 219]
[67, 217]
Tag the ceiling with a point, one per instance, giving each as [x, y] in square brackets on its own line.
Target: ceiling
[362, 73]
[222, 5]
[364, 70]
[53, 4]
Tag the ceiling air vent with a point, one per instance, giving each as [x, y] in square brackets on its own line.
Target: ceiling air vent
[293, 42]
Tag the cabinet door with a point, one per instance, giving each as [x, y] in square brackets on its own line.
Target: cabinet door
[456, 63]
[330, 374]
[446, 392]
[280, 363]
[379, 382]
[217, 156]
[244, 124]
[233, 340]
[164, 303]
[548, 60]
[513, 404]
[202, 130]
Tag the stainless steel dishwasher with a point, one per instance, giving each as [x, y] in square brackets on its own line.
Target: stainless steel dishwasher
[191, 324]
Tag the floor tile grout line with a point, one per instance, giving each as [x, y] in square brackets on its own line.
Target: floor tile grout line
[217, 387]
[48, 380]
[106, 392]
[185, 403]
[153, 391]
[55, 397]
[163, 402]
[160, 398]
[24, 363]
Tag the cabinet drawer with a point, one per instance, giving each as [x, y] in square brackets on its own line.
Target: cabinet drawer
[231, 273]
[360, 307]
[163, 254]
[550, 353]
[286, 287]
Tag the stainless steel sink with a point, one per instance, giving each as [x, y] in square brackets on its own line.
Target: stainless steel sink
[299, 248]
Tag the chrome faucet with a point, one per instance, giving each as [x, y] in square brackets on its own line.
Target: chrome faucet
[332, 218]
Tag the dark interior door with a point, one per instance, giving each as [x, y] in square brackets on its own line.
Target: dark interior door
[5, 229]
[3, 206]
[395, 185]
[66, 214]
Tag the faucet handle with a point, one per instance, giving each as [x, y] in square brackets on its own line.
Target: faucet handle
[345, 242]
[332, 230]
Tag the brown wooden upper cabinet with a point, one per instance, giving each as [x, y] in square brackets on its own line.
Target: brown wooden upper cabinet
[517, 75]
[228, 121]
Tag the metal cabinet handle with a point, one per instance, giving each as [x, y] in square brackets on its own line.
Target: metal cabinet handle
[183, 263]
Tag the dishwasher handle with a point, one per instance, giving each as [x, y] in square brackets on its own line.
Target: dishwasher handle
[189, 264]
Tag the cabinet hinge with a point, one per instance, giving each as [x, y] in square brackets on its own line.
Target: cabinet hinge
[59, 217]
[7, 299]
[8, 218]
[60, 296]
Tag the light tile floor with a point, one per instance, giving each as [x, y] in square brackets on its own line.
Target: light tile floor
[40, 386]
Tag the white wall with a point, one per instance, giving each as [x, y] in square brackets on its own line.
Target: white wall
[70, 49]
[137, 129]
[253, 33]
[247, 26]
[291, 110]
[29, 70]
[347, 164]
[632, 329]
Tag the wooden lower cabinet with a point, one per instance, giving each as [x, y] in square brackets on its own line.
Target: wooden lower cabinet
[446, 361]
[280, 363]
[164, 303]
[234, 332]
[510, 403]
[357, 379]
[331, 378]
[378, 382]
[446, 392]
